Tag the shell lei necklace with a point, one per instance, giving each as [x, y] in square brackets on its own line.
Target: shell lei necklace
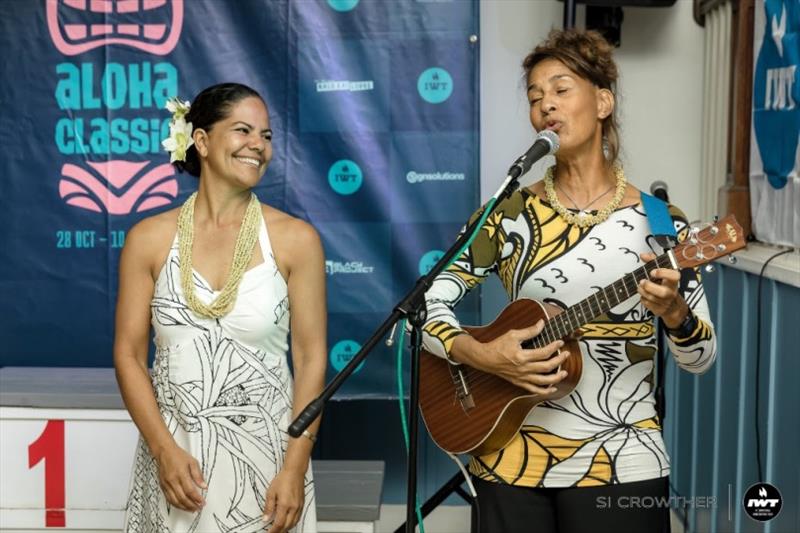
[583, 219]
[242, 254]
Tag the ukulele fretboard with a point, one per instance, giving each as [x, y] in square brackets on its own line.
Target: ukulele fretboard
[598, 303]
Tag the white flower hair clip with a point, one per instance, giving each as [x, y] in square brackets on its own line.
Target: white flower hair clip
[180, 131]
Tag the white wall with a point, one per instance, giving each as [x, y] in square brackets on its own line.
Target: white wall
[661, 65]
[509, 30]
[661, 61]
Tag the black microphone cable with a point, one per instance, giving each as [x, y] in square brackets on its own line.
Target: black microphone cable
[758, 359]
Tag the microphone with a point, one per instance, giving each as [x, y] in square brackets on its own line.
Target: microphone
[659, 190]
[546, 144]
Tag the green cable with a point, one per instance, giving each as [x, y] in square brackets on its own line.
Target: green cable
[401, 395]
[467, 244]
[400, 344]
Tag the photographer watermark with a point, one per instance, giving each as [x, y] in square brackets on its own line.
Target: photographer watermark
[761, 502]
[655, 502]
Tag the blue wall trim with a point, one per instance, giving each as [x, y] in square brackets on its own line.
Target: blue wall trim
[710, 423]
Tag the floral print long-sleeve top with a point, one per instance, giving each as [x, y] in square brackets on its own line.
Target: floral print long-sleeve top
[606, 431]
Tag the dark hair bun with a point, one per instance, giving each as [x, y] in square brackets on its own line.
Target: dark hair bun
[209, 107]
[585, 52]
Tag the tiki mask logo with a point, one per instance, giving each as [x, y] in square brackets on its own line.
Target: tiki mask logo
[118, 187]
[77, 26]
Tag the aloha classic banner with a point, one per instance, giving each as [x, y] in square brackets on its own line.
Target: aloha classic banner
[374, 108]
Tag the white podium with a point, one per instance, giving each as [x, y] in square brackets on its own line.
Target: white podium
[66, 450]
[67, 447]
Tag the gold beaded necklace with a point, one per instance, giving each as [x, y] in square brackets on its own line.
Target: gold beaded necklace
[242, 254]
[584, 219]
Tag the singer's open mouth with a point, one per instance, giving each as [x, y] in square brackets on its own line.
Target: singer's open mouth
[553, 125]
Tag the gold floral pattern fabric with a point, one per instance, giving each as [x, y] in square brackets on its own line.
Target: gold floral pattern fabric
[606, 431]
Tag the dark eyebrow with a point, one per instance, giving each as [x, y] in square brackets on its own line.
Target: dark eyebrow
[552, 78]
[265, 130]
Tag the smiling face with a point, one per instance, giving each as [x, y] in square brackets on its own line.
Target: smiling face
[237, 148]
[568, 104]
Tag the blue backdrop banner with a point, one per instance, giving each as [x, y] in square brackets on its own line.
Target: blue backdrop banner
[374, 105]
[775, 146]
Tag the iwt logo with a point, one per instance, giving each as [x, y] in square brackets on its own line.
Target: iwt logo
[435, 85]
[762, 502]
[343, 6]
[776, 91]
[345, 177]
[343, 352]
[428, 260]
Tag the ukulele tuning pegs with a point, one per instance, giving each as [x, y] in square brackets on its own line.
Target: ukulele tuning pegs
[732, 260]
[710, 268]
[716, 218]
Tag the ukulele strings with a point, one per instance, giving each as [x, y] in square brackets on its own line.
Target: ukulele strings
[628, 282]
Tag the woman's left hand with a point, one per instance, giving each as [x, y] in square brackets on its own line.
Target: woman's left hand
[285, 498]
[660, 294]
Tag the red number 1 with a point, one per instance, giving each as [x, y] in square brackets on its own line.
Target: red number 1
[50, 447]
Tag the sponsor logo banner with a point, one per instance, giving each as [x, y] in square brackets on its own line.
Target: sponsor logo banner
[419, 177]
[344, 81]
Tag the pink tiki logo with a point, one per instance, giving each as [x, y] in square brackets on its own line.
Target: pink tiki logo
[77, 26]
[118, 187]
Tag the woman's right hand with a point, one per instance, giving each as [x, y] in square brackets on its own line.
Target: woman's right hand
[529, 369]
[181, 478]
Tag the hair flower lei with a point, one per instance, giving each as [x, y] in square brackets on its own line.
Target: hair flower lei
[180, 131]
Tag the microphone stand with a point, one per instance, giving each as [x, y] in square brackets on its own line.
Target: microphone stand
[413, 308]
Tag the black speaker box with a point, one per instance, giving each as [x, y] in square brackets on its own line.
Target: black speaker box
[627, 3]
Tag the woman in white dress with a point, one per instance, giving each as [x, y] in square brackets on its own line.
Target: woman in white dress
[217, 278]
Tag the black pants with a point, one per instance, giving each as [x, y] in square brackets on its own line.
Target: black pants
[639, 507]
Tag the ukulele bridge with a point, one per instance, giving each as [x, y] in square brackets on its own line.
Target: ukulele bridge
[463, 394]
